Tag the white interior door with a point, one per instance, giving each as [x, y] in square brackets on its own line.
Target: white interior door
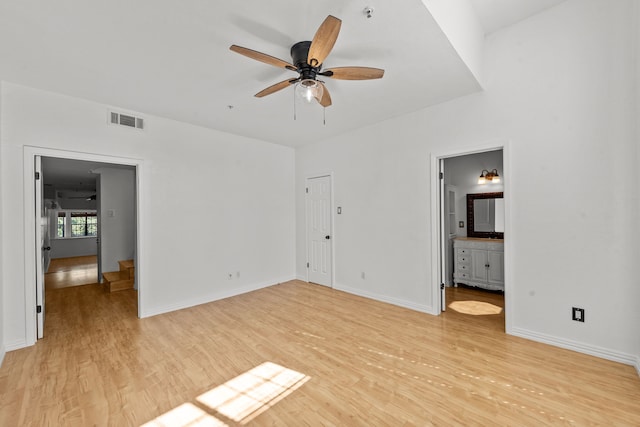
[319, 247]
[99, 237]
[40, 247]
[444, 235]
[450, 230]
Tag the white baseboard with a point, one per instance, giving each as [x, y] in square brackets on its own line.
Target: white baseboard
[580, 347]
[383, 298]
[2, 353]
[211, 297]
[302, 278]
[16, 345]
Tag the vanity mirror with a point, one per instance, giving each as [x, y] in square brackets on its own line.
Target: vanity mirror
[485, 215]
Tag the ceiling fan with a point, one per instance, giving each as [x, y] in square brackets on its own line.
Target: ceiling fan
[308, 57]
[85, 197]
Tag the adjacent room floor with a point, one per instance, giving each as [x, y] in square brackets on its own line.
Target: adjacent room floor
[297, 354]
[72, 271]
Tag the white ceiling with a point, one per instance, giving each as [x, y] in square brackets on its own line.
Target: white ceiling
[497, 14]
[172, 59]
[73, 175]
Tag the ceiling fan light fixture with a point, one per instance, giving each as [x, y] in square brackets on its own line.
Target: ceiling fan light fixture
[309, 90]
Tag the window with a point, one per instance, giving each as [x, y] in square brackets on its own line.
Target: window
[69, 224]
[84, 224]
[61, 224]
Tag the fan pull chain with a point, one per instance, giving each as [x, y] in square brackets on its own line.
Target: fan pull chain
[324, 116]
[294, 105]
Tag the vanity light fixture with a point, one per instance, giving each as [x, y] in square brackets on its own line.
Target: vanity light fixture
[492, 176]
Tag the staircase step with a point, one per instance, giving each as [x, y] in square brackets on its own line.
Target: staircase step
[114, 276]
[127, 265]
[117, 281]
[120, 285]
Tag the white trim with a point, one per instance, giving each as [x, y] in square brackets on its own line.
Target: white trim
[637, 365]
[16, 345]
[579, 347]
[2, 354]
[306, 227]
[494, 145]
[435, 233]
[214, 297]
[29, 153]
[383, 298]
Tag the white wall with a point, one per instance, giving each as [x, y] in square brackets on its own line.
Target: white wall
[217, 203]
[560, 87]
[463, 173]
[79, 246]
[117, 216]
[462, 27]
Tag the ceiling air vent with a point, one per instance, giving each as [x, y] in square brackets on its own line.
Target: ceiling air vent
[126, 120]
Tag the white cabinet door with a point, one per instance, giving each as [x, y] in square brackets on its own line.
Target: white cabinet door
[479, 264]
[496, 267]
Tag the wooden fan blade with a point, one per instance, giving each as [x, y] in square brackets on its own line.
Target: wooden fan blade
[323, 41]
[276, 87]
[353, 73]
[325, 101]
[262, 57]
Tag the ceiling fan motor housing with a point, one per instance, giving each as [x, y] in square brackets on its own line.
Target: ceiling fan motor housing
[299, 54]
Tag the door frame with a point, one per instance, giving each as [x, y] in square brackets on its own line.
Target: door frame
[436, 254]
[331, 226]
[31, 247]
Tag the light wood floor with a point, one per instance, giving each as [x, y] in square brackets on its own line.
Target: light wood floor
[361, 363]
[477, 306]
[72, 271]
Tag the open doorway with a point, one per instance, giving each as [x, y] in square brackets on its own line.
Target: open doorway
[470, 262]
[75, 215]
[78, 247]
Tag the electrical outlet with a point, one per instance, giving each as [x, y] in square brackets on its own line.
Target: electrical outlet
[577, 314]
[460, 224]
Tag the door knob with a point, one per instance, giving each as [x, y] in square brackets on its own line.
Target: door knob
[46, 248]
[327, 237]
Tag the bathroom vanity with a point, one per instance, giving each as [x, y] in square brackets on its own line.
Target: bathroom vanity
[479, 262]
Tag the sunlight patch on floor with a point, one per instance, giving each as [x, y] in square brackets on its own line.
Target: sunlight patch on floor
[240, 399]
[248, 395]
[475, 308]
[185, 415]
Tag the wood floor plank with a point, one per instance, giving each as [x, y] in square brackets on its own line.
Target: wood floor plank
[365, 363]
